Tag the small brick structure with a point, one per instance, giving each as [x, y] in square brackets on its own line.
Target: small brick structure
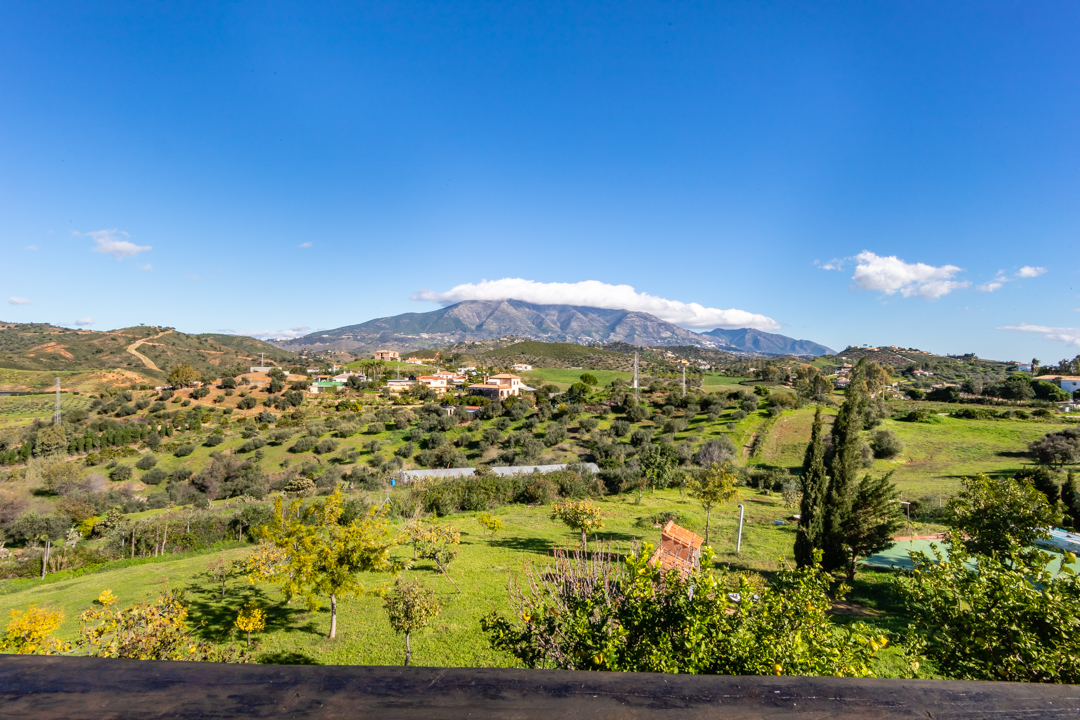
[679, 549]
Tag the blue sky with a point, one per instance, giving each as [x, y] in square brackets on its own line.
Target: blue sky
[888, 173]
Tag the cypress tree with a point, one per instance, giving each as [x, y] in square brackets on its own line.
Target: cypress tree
[1070, 498]
[847, 440]
[815, 483]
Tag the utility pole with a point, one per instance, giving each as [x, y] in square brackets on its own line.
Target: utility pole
[56, 412]
[684, 381]
[635, 378]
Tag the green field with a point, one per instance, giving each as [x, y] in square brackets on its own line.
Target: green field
[936, 455]
[14, 409]
[481, 571]
[564, 377]
[718, 380]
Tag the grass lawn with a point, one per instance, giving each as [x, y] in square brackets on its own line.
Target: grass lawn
[936, 455]
[717, 380]
[564, 377]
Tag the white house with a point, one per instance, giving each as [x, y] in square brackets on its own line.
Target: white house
[522, 367]
[399, 385]
[1068, 383]
[499, 387]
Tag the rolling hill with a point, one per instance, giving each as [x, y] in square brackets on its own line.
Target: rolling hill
[143, 349]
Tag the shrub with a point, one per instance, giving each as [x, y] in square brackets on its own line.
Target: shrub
[886, 444]
[738, 415]
[214, 440]
[303, 445]
[146, 462]
[253, 444]
[184, 450]
[620, 428]
[326, 446]
[280, 436]
[247, 403]
[121, 473]
[155, 476]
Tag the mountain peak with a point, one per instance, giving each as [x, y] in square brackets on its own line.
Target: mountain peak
[473, 320]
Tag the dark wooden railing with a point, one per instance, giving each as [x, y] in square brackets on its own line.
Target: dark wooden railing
[34, 687]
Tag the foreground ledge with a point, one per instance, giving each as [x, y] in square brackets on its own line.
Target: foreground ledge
[35, 687]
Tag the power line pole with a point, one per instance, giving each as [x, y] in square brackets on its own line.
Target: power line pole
[684, 381]
[56, 412]
[635, 378]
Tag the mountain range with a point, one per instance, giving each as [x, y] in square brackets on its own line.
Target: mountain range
[474, 320]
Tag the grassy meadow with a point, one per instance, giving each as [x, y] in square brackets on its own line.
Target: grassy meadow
[481, 571]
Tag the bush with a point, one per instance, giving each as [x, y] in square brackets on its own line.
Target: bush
[146, 462]
[155, 476]
[886, 444]
[326, 446]
[303, 445]
[121, 473]
[253, 444]
[214, 440]
[738, 415]
[588, 424]
[620, 428]
[184, 450]
[247, 403]
[749, 405]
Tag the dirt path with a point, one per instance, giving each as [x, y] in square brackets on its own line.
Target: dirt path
[132, 349]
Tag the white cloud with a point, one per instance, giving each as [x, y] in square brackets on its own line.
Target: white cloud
[146, 268]
[834, 264]
[304, 245]
[31, 247]
[109, 243]
[294, 332]
[18, 301]
[989, 287]
[891, 275]
[593, 293]
[1067, 335]
[82, 322]
[1029, 272]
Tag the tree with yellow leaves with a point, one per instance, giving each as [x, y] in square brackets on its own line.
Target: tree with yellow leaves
[320, 557]
[28, 631]
[251, 619]
[490, 523]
